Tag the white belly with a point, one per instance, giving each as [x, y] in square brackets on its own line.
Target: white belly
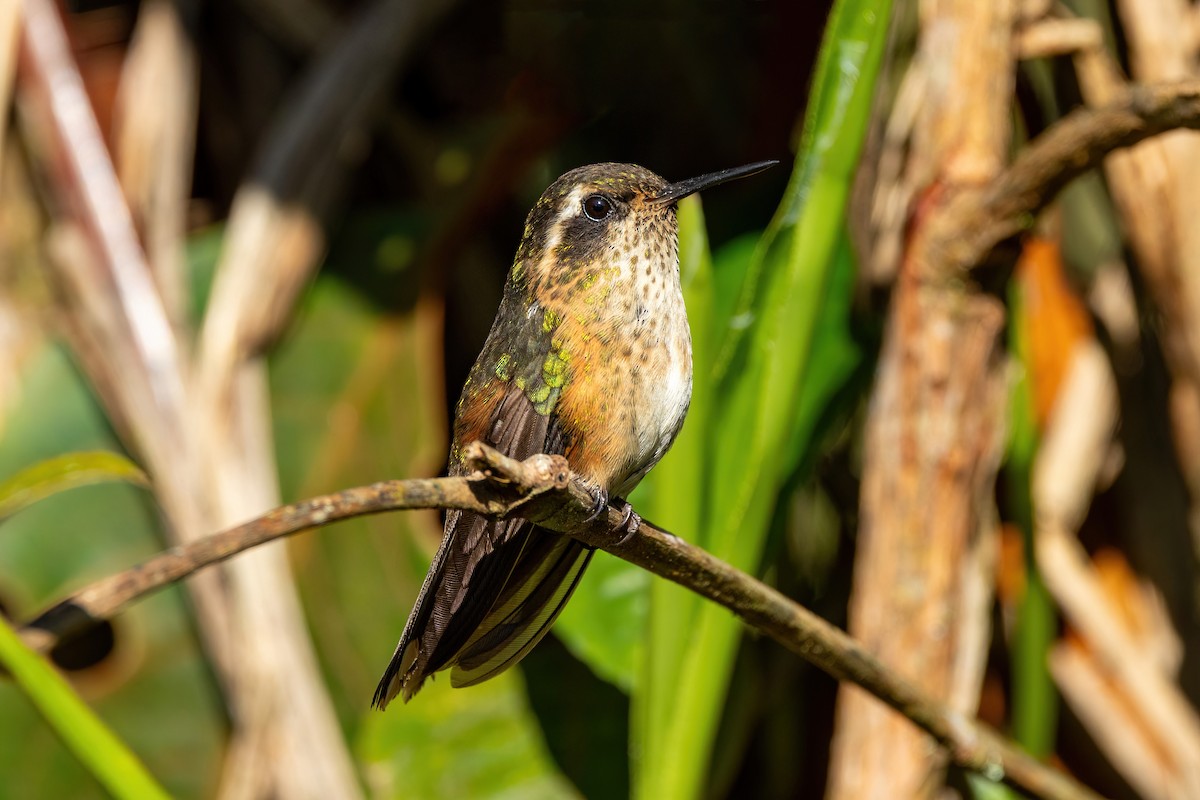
[662, 390]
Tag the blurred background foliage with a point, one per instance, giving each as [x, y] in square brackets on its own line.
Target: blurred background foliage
[645, 690]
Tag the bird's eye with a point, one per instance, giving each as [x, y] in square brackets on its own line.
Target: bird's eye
[597, 207]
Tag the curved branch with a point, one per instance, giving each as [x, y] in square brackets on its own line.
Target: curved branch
[977, 221]
[543, 489]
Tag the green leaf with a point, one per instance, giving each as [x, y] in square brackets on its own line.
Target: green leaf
[54, 475]
[106, 756]
[765, 358]
[837, 359]
[731, 265]
[604, 624]
[451, 743]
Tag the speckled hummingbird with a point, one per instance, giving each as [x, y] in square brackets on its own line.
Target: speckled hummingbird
[590, 356]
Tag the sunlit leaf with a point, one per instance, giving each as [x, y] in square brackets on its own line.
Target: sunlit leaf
[604, 624]
[449, 743]
[105, 755]
[58, 474]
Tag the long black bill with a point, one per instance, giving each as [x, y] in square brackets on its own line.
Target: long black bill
[681, 189]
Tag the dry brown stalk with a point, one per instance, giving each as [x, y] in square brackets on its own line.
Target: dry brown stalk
[1156, 190]
[155, 129]
[114, 318]
[921, 594]
[1135, 705]
[935, 424]
[1058, 37]
[201, 426]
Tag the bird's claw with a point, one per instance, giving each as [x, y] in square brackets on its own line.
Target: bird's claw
[629, 524]
[600, 499]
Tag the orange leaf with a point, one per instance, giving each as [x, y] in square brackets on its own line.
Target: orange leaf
[1055, 318]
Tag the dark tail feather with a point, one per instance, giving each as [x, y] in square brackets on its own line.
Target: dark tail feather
[478, 567]
[553, 565]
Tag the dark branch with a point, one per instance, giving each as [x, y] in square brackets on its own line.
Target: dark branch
[977, 221]
[544, 489]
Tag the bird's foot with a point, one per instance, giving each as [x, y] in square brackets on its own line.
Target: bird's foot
[600, 498]
[630, 524]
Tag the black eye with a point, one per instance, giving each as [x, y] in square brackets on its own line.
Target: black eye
[597, 207]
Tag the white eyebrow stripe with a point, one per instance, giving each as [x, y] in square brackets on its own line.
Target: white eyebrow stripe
[553, 236]
[570, 208]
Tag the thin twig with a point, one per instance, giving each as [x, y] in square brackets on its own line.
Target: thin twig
[543, 489]
[155, 132]
[979, 221]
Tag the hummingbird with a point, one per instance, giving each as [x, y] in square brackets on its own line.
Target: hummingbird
[589, 357]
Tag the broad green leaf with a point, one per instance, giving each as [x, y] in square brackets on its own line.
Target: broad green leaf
[731, 265]
[837, 358]
[61, 473]
[104, 755]
[763, 362]
[604, 624]
[454, 743]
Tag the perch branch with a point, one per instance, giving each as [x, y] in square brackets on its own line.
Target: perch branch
[543, 489]
[978, 221]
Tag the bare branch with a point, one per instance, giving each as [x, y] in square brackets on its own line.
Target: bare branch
[978, 221]
[543, 489]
